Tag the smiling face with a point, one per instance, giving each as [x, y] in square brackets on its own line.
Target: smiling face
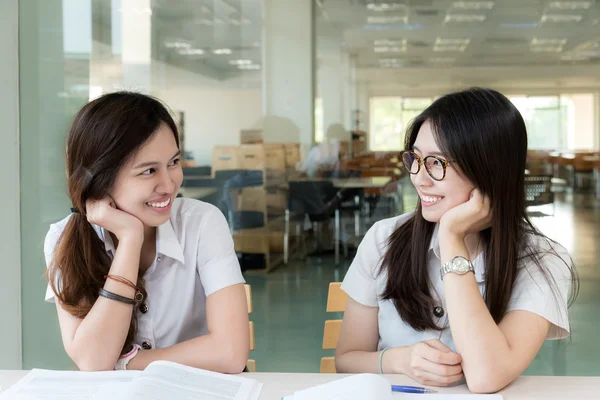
[437, 197]
[149, 182]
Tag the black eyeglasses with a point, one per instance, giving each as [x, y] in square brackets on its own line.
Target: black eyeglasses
[434, 165]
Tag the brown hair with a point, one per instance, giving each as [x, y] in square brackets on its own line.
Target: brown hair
[105, 134]
[485, 136]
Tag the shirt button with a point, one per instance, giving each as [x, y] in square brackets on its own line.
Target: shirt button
[146, 345]
[159, 258]
[438, 312]
[144, 308]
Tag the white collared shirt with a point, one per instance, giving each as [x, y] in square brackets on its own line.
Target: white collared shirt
[531, 292]
[195, 257]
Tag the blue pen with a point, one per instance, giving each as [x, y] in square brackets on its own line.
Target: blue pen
[411, 389]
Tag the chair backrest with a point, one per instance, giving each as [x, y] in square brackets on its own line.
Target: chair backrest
[336, 302]
[203, 170]
[538, 190]
[310, 196]
[251, 363]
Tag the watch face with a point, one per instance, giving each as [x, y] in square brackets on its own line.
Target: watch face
[460, 265]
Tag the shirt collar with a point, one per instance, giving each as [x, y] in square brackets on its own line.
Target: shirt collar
[166, 241]
[478, 263]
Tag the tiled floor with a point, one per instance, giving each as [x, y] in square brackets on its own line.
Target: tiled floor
[289, 303]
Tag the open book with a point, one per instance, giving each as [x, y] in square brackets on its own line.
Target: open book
[160, 380]
[371, 387]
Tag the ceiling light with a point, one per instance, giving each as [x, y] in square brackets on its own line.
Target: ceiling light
[546, 49]
[572, 57]
[589, 47]
[448, 48]
[222, 51]
[389, 42]
[391, 19]
[191, 52]
[464, 18]
[177, 45]
[388, 49]
[249, 66]
[560, 18]
[473, 5]
[546, 42]
[240, 62]
[442, 60]
[448, 41]
[382, 7]
[519, 25]
[447, 44]
[570, 5]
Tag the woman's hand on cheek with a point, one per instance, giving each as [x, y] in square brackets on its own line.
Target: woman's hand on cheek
[105, 213]
[472, 216]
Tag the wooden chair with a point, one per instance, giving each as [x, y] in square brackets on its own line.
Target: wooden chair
[336, 302]
[251, 363]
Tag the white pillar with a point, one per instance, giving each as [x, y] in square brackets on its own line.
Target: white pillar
[10, 234]
[350, 103]
[597, 120]
[331, 71]
[136, 42]
[288, 70]
[362, 101]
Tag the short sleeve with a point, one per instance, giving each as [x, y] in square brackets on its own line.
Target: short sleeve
[49, 246]
[217, 263]
[546, 294]
[360, 282]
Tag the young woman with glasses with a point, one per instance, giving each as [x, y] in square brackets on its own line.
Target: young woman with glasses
[465, 286]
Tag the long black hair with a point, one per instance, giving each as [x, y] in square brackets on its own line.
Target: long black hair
[485, 136]
[105, 134]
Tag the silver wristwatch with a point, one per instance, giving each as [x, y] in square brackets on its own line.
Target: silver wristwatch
[458, 265]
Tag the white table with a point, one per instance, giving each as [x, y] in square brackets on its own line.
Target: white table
[526, 387]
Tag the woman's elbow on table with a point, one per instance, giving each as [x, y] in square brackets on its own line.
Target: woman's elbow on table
[89, 362]
[486, 382]
[235, 358]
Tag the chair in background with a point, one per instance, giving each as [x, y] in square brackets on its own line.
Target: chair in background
[203, 170]
[538, 192]
[308, 198]
[336, 302]
[251, 363]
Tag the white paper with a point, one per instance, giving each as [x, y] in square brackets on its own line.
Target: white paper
[373, 387]
[442, 396]
[160, 380]
[165, 380]
[356, 387]
[66, 385]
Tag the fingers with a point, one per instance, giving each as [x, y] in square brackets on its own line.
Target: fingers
[439, 357]
[437, 344]
[440, 369]
[96, 209]
[430, 379]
